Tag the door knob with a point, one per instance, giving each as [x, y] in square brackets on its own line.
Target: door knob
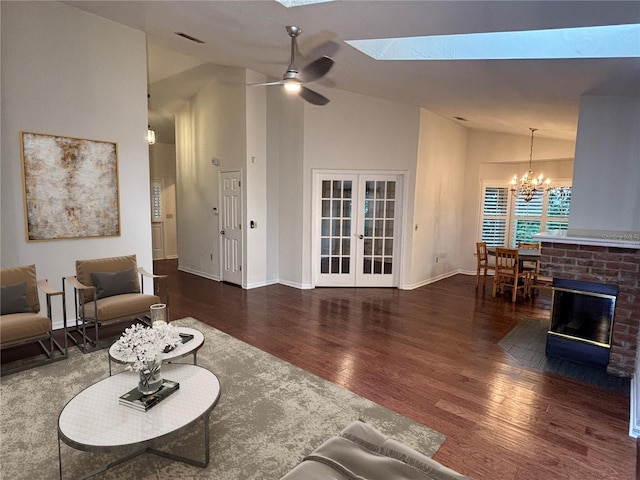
[360, 237]
[221, 232]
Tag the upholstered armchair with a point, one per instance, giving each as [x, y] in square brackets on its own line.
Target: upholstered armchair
[109, 291]
[21, 322]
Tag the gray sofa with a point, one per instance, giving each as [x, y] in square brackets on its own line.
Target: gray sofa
[360, 452]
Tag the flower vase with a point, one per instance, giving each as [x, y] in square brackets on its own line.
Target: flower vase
[150, 379]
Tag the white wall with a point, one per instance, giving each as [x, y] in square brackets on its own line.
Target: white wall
[606, 192]
[162, 165]
[211, 125]
[70, 73]
[274, 107]
[290, 181]
[439, 199]
[358, 132]
[255, 261]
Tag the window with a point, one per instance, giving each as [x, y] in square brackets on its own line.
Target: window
[495, 217]
[506, 220]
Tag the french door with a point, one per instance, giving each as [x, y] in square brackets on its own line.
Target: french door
[357, 229]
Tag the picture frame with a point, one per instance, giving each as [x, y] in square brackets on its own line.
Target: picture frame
[70, 187]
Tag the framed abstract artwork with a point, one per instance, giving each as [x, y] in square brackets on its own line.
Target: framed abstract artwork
[70, 187]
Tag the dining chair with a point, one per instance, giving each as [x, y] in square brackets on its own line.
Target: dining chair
[532, 267]
[484, 264]
[507, 273]
[540, 282]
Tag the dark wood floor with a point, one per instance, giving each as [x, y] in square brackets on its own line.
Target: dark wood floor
[431, 354]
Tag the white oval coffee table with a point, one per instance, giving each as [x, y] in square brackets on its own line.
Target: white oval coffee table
[188, 348]
[94, 421]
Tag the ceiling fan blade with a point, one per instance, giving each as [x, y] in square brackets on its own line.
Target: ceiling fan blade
[279, 82]
[313, 97]
[316, 69]
[326, 49]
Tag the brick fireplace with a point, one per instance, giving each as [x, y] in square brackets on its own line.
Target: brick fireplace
[604, 262]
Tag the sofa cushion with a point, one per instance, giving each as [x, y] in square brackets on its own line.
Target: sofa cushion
[23, 327]
[120, 307]
[13, 299]
[360, 452]
[109, 284]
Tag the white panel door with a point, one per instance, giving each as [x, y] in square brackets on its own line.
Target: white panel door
[356, 230]
[157, 240]
[231, 227]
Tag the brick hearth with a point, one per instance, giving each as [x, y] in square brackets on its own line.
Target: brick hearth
[604, 264]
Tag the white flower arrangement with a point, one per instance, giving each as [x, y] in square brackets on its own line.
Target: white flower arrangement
[141, 345]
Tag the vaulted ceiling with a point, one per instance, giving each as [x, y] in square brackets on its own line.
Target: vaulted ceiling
[497, 95]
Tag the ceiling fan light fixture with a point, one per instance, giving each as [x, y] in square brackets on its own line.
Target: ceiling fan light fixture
[292, 85]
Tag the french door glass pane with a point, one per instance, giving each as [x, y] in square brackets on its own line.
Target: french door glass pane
[391, 190]
[346, 246]
[324, 264]
[388, 246]
[346, 228]
[324, 246]
[378, 225]
[368, 228]
[335, 226]
[326, 189]
[388, 262]
[326, 208]
[369, 191]
[368, 246]
[388, 229]
[326, 227]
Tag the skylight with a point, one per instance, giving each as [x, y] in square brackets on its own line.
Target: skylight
[300, 3]
[610, 41]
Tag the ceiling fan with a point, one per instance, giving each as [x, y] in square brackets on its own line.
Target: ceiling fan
[294, 79]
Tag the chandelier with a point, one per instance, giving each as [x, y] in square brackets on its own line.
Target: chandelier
[528, 184]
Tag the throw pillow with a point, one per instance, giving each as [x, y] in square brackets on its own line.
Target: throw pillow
[13, 299]
[109, 284]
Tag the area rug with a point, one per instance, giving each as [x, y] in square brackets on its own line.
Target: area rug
[270, 415]
[527, 342]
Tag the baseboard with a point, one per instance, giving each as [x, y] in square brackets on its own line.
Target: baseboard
[430, 280]
[199, 273]
[259, 284]
[300, 286]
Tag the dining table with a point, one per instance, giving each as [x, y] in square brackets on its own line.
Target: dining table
[528, 253]
[524, 254]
